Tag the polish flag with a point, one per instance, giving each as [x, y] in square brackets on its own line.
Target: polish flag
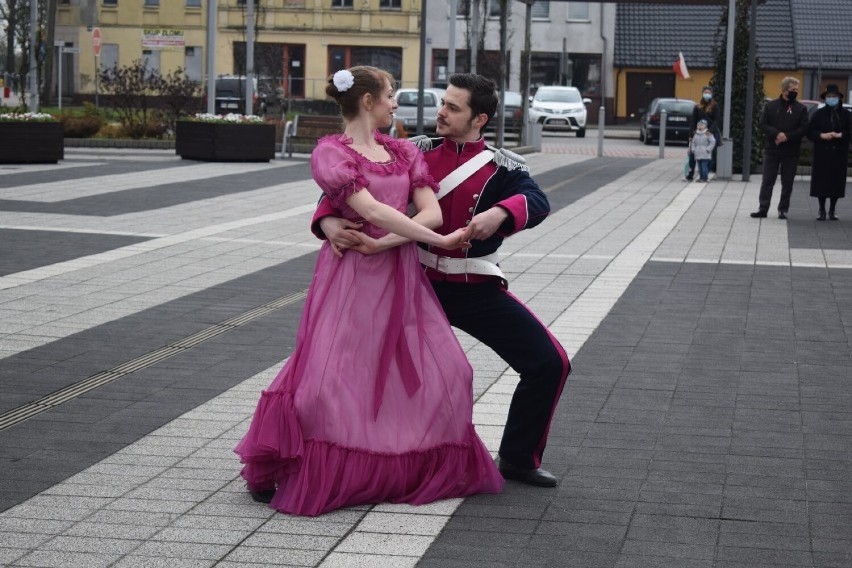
[680, 67]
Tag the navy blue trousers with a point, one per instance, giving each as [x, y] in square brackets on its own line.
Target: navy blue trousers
[498, 319]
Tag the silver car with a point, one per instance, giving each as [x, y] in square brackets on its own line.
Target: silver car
[407, 100]
[562, 108]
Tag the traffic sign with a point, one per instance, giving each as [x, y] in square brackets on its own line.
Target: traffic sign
[96, 41]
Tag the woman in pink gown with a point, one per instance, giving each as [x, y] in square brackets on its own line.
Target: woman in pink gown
[375, 403]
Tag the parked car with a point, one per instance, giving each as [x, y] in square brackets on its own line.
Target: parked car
[559, 108]
[512, 110]
[407, 99]
[231, 94]
[678, 120]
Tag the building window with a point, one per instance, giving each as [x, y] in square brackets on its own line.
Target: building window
[494, 8]
[110, 2]
[341, 3]
[193, 3]
[390, 4]
[152, 3]
[540, 11]
[151, 59]
[109, 56]
[578, 11]
[344, 56]
[193, 63]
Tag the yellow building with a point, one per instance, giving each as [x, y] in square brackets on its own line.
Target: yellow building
[298, 42]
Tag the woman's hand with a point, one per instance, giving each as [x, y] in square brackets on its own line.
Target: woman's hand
[827, 135]
[341, 233]
[369, 245]
[458, 239]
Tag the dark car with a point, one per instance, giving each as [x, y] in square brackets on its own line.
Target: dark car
[678, 120]
[512, 110]
[231, 94]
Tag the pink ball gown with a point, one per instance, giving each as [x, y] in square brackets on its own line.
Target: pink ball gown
[375, 403]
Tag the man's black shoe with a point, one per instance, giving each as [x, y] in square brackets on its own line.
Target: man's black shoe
[264, 496]
[758, 214]
[832, 216]
[782, 214]
[821, 216]
[538, 477]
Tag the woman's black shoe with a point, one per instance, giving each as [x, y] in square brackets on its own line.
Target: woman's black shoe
[264, 496]
[832, 216]
[821, 215]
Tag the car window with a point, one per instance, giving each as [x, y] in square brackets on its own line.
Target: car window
[680, 107]
[410, 99]
[558, 96]
[512, 99]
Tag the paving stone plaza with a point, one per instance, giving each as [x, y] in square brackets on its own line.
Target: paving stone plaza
[145, 301]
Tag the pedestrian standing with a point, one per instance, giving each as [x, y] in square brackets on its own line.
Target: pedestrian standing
[701, 146]
[706, 109]
[830, 131]
[785, 123]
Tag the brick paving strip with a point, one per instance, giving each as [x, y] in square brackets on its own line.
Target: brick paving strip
[598, 271]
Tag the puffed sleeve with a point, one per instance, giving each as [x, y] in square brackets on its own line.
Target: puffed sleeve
[336, 171]
[418, 171]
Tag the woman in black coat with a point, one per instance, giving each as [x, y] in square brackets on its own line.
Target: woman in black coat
[705, 109]
[830, 131]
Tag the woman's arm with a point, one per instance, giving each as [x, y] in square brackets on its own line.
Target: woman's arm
[390, 219]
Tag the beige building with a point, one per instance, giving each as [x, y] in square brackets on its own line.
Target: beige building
[298, 42]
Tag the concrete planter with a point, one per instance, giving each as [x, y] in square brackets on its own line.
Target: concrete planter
[31, 142]
[223, 142]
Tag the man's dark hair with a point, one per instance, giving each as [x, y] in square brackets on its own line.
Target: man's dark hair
[483, 93]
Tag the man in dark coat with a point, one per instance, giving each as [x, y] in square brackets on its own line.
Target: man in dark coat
[830, 131]
[785, 122]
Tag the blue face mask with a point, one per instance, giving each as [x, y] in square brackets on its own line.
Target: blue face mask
[707, 96]
[832, 101]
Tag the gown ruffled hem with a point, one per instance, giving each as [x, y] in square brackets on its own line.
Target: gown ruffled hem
[313, 477]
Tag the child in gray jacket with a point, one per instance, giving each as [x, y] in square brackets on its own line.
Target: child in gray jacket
[701, 146]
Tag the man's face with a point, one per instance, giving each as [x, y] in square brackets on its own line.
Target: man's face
[455, 120]
[791, 88]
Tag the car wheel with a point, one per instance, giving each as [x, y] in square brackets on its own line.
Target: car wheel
[648, 141]
[581, 133]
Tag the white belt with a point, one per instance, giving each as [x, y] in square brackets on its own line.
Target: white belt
[485, 265]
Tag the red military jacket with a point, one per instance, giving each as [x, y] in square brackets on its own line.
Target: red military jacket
[503, 182]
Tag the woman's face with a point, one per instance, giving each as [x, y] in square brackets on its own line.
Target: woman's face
[383, 107]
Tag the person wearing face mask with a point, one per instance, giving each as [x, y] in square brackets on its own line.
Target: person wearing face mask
[830, 131]
[785, 123]
[708, 110]
[701, 147]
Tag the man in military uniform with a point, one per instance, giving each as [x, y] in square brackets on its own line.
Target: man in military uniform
[491, 191]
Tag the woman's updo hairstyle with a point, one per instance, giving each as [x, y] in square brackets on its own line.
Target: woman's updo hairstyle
[365, 79]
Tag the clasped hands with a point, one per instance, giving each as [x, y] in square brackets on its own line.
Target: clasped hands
[831, 135]
[344, 235]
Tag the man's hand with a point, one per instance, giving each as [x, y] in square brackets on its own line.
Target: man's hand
[341, 233]
[458, 239]
[485, 224]
[780, 138]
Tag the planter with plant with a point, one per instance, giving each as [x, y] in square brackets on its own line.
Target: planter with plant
[30, 138]
[225, 138]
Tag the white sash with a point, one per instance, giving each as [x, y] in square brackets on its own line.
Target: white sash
[463, 172]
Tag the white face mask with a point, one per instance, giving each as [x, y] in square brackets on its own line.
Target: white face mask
[707, 96]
